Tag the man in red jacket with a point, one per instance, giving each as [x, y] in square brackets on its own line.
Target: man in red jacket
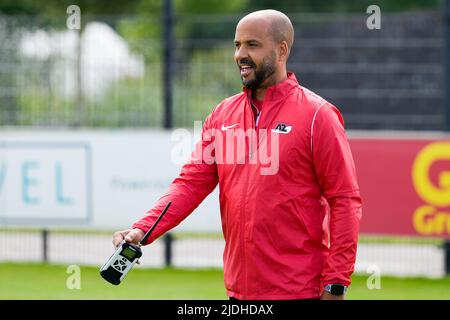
[289, 200]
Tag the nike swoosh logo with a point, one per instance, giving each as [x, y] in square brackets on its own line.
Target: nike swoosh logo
[224, 128]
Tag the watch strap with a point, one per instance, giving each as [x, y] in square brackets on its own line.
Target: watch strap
[336, 289]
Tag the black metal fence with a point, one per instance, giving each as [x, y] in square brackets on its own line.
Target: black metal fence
[391, 256]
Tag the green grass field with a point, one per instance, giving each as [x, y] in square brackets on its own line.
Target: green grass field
[40, 281]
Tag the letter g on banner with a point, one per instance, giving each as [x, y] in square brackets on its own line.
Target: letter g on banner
[436, 195]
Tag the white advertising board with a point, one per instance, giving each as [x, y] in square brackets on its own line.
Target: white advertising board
[99, 179]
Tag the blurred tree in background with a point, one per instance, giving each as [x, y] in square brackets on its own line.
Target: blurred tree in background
[203, 52]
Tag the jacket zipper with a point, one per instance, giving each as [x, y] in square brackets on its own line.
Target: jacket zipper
[255, 126]
[243, 215]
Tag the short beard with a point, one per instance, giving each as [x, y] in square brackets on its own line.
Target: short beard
[267, 69]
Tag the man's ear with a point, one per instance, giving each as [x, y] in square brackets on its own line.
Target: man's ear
[283, 50]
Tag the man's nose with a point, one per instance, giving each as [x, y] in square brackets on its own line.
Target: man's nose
[240, 53]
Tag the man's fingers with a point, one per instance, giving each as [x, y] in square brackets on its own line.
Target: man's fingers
[130, 235]
[134, 236]
[119, 236]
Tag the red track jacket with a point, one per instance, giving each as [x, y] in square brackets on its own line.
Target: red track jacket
[282, 239]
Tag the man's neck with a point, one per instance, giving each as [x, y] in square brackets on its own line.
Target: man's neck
[260, 93]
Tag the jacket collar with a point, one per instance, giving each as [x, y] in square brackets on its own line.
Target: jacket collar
[278, 91]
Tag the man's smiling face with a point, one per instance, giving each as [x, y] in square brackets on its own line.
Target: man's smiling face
[255, 53]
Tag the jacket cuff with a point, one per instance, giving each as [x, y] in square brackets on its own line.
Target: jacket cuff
[336, 280]
[144, 228]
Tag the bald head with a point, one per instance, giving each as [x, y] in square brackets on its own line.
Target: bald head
[262, 42]
[279, 25]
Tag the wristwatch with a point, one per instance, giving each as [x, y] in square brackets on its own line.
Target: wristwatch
[336, 289]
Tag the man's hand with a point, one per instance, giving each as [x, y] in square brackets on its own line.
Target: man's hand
[329, 296]
[129, 235]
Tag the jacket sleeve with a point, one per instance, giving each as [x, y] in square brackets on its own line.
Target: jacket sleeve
[336, 174]
[197, 179]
